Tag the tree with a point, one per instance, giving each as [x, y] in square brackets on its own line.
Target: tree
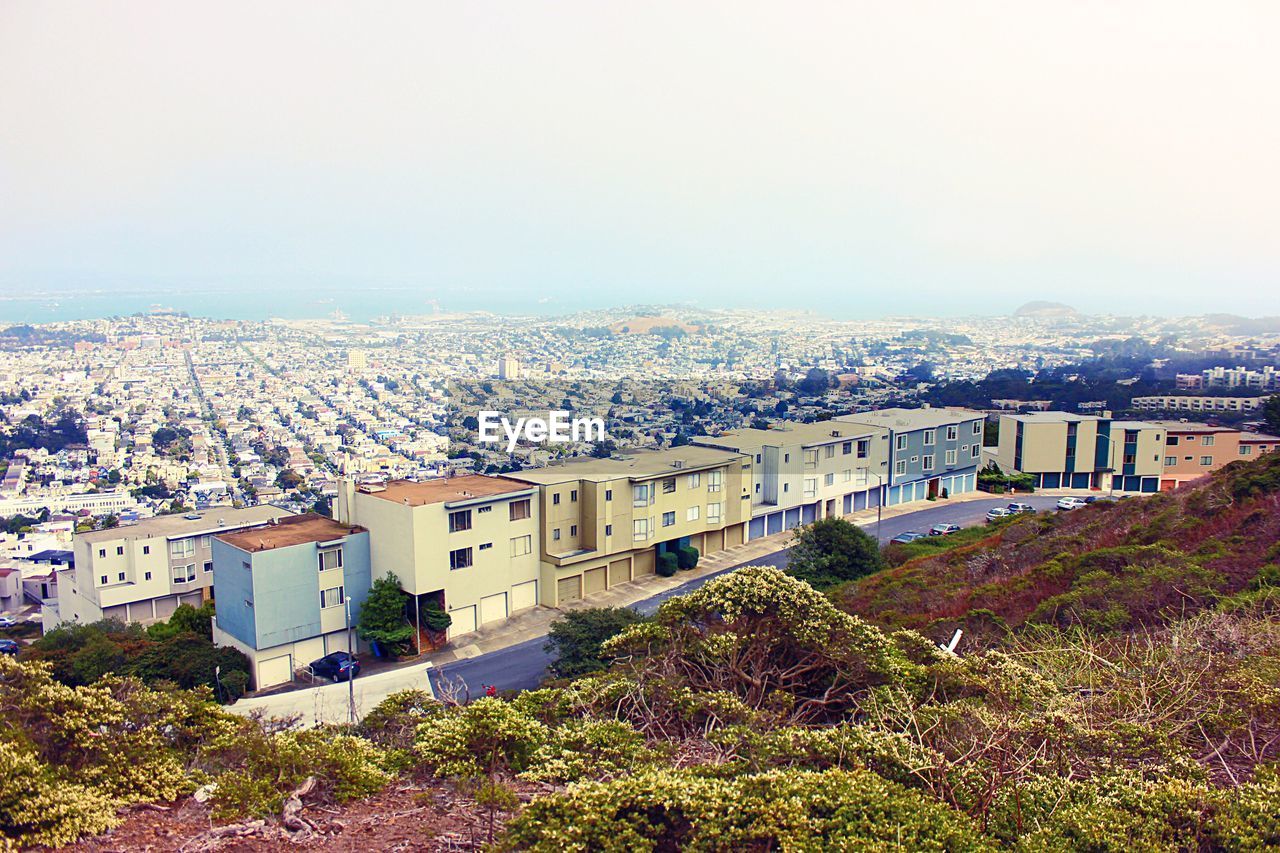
[185, 620]
[382, 615]
[575, 638]
[832, 551]
[1271, 414]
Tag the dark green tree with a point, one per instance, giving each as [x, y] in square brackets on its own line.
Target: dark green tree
[382, 615]
[575, 638]
[1271, 414]
[832, 551]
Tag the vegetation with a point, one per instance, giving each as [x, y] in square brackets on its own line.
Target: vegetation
[382, 617]
[831, 551]
[576, 637]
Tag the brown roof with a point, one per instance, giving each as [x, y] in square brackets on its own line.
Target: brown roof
[293, 530]
[445, 490]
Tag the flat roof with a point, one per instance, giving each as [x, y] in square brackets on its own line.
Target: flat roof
[208, 521]
[443, 490]
[294, 530]
[819, 432]
[1258, 436]
[1186, 426]
[638, 464]
[900, 418]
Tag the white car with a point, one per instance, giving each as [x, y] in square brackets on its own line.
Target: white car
[1070, 503]
[7, 622]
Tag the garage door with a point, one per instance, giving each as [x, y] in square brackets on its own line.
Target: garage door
[593, 581]
[493, 608]
[464, 621]
[524, 595]
[757, 527]
[569, 589]
[275, 671]
[619, 572]
[643, 564]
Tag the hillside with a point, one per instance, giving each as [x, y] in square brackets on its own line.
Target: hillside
[1108, 566]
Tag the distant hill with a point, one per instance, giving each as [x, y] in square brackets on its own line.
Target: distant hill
[1041, 308]
[650, 325]
[1234, 324]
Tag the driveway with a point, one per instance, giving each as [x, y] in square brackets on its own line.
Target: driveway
[330, 703]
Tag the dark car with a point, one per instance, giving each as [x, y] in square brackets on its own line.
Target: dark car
[909, 536]
[338, 666]
[8, 647]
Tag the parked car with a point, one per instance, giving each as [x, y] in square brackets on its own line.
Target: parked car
[8, 647]
[996, 513]
[944, 529]
[908, 537]
[1091, 498]
[1070, 503]
[337, 666]
[7, 622]
[1015, 508]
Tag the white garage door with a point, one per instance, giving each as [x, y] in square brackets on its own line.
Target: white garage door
[275, 671]
[493, 608]
[464, 620]
[524, 595]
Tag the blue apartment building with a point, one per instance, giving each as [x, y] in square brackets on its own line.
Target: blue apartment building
[931, 451]
[283, 592]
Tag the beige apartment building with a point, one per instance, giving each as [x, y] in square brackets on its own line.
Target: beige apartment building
[142, 572]
[803, 472]
[469, 543]
[603, 522]
[1194, 403]
[1063, 450]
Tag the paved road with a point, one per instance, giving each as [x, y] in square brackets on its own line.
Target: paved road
[523, 667]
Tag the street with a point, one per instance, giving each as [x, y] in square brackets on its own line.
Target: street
[522, 667]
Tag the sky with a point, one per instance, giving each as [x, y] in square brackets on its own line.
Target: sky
[850, 158]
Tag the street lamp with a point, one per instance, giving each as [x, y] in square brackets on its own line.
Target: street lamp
[351, 679]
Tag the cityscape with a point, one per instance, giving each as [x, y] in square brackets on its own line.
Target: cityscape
[674, 426]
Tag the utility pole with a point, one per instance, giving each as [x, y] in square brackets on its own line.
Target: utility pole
[351, 678]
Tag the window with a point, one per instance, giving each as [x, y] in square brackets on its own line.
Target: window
[829, 479]
[146, 549]
[485, 546]
[900, 467]
[184, 574]
[695, 480]
[1130, 458]
[460, 520]
[573, 495]
[555, 535]
[147, 576]
[714, 480]
[102, 552]
[786, 457]
[928, 462]
[119, 550]
[830, 451]
[846, 475]
[810, 458]
[976, 452]
[1207, 441]
[518, 510]
[668, 519]
[977, 427]
[1206, 460]
[668, 485]
[460, 558]
[758, 458]
[810, 487]
[330, 559]
[951, 457]
[786, 487]
[1170, 461]
[120, 577]
[640, 529]
[713, 513]
[1245, 450]
[521, 545]
[573, 530]
[1173, 439]
[103, 580]
[182, 547]
[608, 494]
[693, 513]
[640, 494]
[757, 488]
[864, 448]
[846, 448]
[555, 498]
[929, 437]
[902, 442]
[953, 432]
[208, 567]
[608, 530]
[331, 597]
[482, 510]
[206, 541]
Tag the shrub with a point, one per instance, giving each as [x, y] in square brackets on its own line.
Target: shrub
[575, 638]
[668, 564]
[38, 808]
[687, 557]
[382, 619]
[831, 551]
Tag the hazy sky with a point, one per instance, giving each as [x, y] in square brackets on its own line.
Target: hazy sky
[933, 158]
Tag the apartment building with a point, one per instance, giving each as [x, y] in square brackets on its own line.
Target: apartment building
[603, 522]
[142, 572]
[1193, 403]
[1193, 450]
[1072, 451]
[803, 472]
[931, 450]
[468, 543]
[286, 591]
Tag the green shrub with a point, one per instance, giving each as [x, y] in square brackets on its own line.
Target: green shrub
[668, 564]
[687, 557]
[575, 638]
[39, 808]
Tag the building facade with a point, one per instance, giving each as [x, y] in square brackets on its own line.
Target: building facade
[1192, 403]
[604, 521]
[1193, 450]
[803, 472]
[290, 592]
[142, 572]
[469, 544]
[931, 451]
[1063, 450]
